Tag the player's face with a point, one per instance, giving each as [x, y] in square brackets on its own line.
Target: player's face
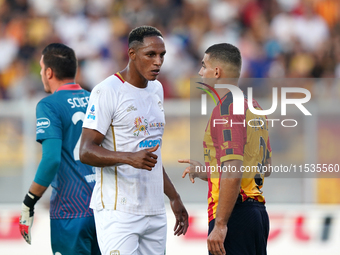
[43, 76]
[149, 57]
[207, 70]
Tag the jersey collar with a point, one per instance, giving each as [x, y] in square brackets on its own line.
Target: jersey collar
[69, 87]
[120, 77]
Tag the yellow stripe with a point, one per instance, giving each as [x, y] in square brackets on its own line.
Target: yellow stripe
[116, 174]
[120, 76]
[101, 187]
[230, 157]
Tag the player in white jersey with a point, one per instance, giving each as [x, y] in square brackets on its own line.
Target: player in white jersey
[122, 136]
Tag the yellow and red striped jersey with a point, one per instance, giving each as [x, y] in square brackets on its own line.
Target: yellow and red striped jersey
[243, 137]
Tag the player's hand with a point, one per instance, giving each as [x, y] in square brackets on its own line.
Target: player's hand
[181, 214]
[191, 170]
[26, 222]
[145, 159]
[216, 240]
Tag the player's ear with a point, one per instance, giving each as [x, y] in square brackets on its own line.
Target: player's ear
[218, 72]
[49, 73]
[132, 53]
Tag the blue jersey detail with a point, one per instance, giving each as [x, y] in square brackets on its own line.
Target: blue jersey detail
[60, 116]
[91, 114]
[149, 143]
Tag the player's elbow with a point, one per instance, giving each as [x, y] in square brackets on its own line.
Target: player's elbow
[54, 162]
[87, 153]
[84, 154]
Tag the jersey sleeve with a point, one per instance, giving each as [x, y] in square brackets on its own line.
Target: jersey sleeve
[228, 133]
[160, 91]
[50, 162]
[101, 109]
[49, 124]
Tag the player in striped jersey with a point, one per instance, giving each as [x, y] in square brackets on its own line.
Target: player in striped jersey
[238, 221]
[122, 137]
[59, 126]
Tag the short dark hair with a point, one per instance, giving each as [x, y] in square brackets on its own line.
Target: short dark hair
[139, 33]
[225, 53]
[61, 59]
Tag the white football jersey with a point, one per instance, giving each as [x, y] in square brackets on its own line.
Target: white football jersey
[132, 119]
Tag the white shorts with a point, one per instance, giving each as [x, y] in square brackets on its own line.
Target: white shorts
[121, 233]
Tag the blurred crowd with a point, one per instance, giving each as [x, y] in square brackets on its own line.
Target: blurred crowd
[277, 38]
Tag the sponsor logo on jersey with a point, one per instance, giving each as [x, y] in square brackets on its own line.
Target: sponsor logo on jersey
[115, 252]
[131, 108]
[141, 126]
[91, 114]
[90, 178]
[43, 123]
[149, 143]
[40, 131]
[157, 125]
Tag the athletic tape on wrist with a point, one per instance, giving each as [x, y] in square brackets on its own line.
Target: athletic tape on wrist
[30, 200]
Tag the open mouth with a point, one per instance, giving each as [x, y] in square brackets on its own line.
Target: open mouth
[155, 72]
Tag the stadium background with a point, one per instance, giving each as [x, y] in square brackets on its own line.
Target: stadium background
[277, 39]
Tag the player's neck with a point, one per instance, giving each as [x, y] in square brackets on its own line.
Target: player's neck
[58, 83]
[133, 77]
[228, 81]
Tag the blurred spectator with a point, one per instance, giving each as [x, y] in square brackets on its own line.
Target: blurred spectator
[282, 28]
[310, 28]
[277, 38]
[8, 49]
[330, 11]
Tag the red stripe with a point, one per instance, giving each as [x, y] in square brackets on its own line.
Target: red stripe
[69, 87]
[212, 203]
[244, 196]
[119, 78]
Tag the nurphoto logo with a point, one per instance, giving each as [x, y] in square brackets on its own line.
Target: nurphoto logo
[238, 103]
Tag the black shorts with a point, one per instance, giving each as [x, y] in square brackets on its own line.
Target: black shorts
[248, 229]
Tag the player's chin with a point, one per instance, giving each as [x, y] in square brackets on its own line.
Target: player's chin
[152, 77]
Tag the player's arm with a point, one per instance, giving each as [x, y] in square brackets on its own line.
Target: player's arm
[194, 170]
[181, 214]
[48, 167]
[92, 153]
[229, 190]
[268, 164]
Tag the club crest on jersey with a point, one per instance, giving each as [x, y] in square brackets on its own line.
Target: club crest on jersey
[141, 126]
[115, 252]
[91, 114]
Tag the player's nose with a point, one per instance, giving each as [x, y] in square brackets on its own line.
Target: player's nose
[158, 61]
[200, 73]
